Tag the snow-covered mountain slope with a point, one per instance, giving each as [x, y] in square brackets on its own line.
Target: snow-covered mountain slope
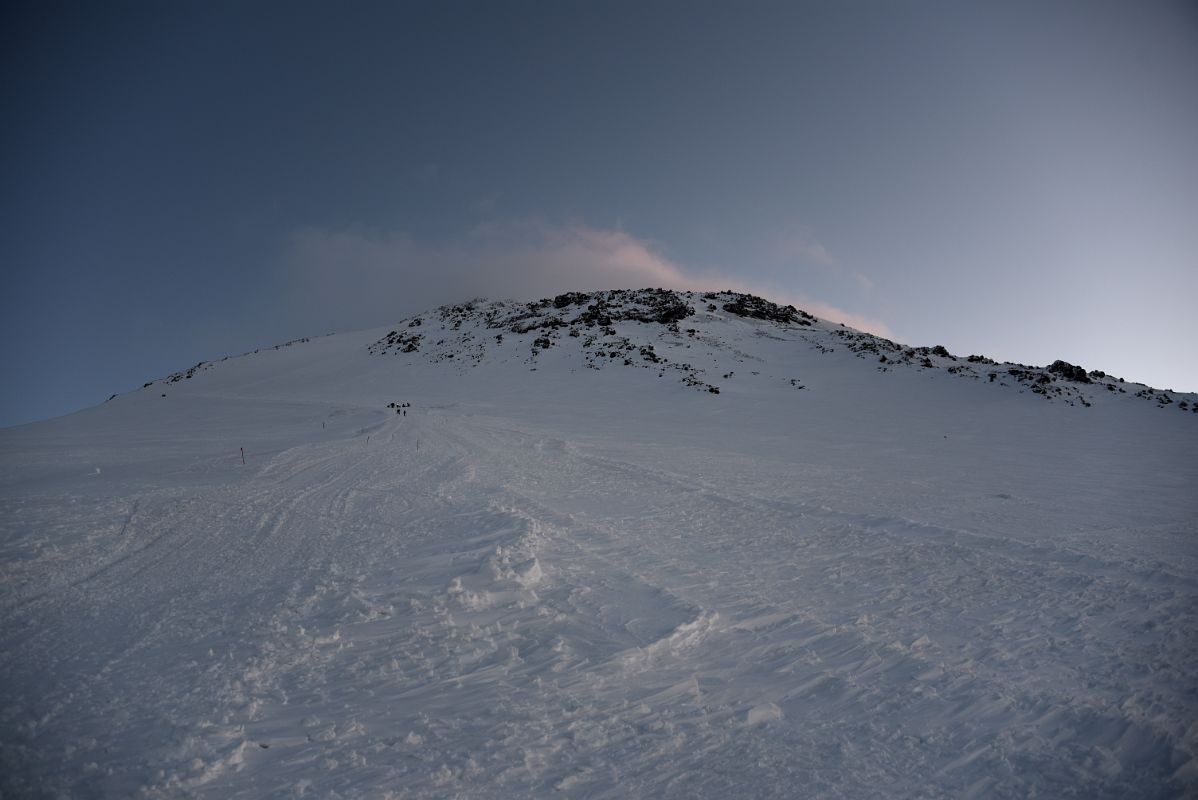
[511, 550]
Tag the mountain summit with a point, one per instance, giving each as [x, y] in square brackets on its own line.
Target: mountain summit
[614, 544]
[645, 328]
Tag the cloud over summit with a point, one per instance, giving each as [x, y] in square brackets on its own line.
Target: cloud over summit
[352, 278]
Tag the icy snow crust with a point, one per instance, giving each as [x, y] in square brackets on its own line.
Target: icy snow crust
[572, 569]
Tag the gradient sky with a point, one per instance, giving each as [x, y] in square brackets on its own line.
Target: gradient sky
[185, 180]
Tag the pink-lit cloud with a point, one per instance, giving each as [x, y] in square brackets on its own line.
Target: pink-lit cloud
[356, 278]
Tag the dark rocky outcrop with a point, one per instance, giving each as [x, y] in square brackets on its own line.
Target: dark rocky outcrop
[1069, 372]
[747, 305]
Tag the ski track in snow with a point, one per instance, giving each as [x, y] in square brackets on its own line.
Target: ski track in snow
[573, 570]
[505, 613]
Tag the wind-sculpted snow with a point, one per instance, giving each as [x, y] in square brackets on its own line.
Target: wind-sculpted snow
[518, 574]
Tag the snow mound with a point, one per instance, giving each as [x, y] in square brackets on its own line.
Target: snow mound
[606, 544]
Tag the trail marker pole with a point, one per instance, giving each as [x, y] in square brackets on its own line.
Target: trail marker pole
[243, 456]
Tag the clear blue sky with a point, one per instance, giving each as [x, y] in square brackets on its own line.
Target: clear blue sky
[184, 180]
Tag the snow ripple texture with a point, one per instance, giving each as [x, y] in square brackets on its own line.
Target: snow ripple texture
[577, 595]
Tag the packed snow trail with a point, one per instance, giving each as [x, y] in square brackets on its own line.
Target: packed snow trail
[506, 612]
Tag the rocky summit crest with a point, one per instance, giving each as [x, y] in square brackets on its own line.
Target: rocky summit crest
[703, 338]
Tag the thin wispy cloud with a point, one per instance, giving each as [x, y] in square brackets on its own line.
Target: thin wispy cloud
[354, 277]
[863, 281]
[802, 248]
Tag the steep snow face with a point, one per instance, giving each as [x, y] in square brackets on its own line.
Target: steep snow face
[507, 549]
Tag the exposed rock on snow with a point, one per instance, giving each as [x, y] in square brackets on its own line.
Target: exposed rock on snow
[589, 320]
